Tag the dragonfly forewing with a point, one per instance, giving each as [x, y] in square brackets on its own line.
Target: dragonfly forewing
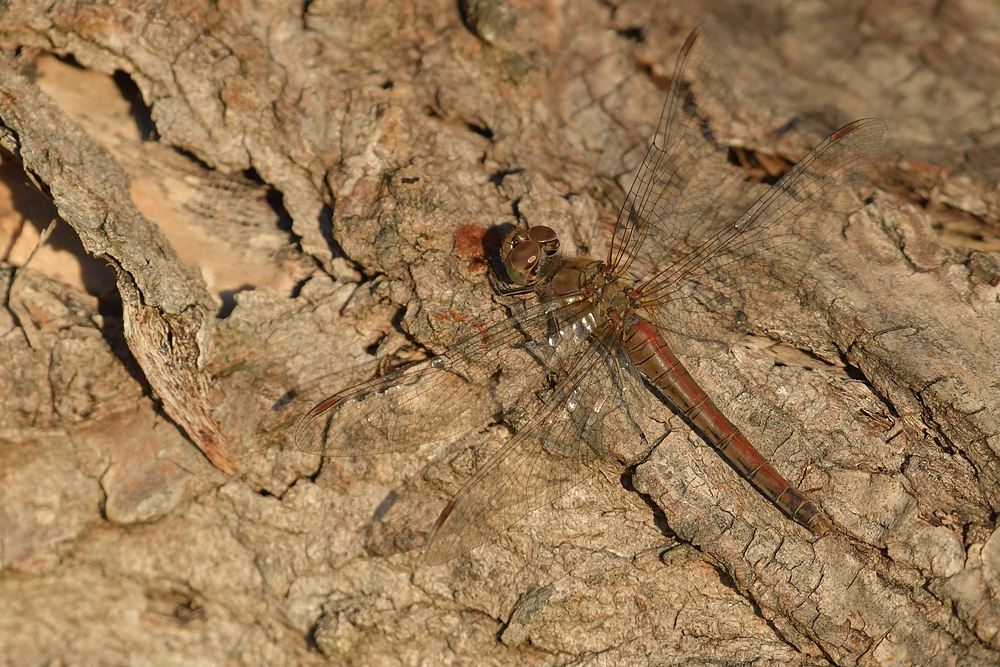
[427, 403]
[765, 251]
[685, 164]
[433, 400]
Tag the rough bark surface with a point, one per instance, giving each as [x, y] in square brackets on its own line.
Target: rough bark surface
[338, 168]
[167, 312]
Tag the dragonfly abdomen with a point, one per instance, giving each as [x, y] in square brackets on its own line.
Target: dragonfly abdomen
[650, 353]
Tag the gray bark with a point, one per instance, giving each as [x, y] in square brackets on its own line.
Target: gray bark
[396, 136]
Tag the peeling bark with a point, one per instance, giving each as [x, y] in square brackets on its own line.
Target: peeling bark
[167, 310]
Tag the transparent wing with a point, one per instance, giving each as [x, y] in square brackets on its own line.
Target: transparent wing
[481, 377]
[716, 269]
[699, 257]
[684, 166]
[555, 451]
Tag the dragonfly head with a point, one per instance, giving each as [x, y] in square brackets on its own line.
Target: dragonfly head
[524, 252]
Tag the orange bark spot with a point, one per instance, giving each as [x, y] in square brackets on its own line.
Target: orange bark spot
[451, 315]
[469, 246]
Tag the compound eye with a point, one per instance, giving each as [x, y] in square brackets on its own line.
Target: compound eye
[546, 238]
[516, 237]
[522, 262]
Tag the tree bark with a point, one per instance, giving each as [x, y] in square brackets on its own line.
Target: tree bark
[340, 169]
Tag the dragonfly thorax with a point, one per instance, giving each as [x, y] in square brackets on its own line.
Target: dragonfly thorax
[587, 282]
[531, 261]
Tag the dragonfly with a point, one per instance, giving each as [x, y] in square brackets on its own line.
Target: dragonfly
[569, 372]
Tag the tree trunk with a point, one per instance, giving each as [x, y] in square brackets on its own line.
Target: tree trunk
[337, 172]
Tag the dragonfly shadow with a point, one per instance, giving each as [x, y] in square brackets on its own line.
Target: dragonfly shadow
[492, 240]
[380, 537]
[398, 526]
